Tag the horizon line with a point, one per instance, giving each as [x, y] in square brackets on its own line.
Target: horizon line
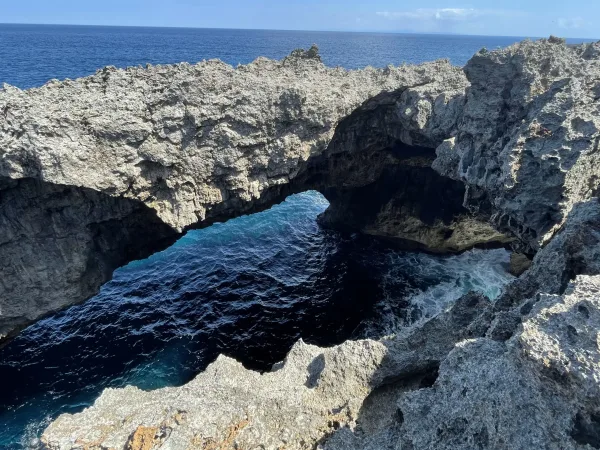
[288, 30]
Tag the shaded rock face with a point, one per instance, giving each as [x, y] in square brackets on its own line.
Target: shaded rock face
[519, 263]
[527, 143]
[574, 250]
[409, 204]
[63, 242]
[377, 175]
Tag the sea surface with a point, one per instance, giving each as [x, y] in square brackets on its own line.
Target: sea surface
[30, 55]
[249, 287]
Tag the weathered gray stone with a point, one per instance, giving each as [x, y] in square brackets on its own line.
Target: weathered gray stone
[59, 244]
[527, 141]
[520, 374]
[519, 263]
[574, 250]
[541, 389]
[305, 399]
[195, 141]
[187, 145]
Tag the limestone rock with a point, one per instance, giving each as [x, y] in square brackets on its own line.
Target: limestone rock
[527, 143]
[59, 244]
[311, 394]
[574, 250]
[196, 143]
[297, 405]
[540, 389]
[519, 263]
[184, 146]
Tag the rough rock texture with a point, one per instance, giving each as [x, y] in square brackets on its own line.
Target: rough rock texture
[63, 242]
[574, 250]
[527, 145]
[523, 373]
[303, 401]
[376, 173]
[408, 204]
[194, 144]
[519, 263]
[540, 389]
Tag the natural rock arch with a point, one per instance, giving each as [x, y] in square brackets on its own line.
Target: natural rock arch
[109, 168]
[186, 145]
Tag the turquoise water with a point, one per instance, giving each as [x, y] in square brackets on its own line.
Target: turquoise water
[249, 287]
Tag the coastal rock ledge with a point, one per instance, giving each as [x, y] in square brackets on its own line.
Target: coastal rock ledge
[434, 157]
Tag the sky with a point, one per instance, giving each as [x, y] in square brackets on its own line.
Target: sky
[536, 18]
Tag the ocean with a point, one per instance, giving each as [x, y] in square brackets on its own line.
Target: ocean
[34, 54]
[249, 287]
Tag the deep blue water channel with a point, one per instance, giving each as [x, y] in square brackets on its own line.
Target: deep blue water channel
[249, 287]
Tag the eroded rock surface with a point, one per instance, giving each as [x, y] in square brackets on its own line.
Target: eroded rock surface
[540, 389]
[527, 145]
[306, 399]
[188, 145]
[63, 242]
[195, 142]
[522, 373]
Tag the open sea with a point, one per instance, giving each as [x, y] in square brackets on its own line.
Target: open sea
[248, 288]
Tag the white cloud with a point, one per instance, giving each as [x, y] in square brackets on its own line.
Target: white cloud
[461, 20]
[440, 14]
[571, 23]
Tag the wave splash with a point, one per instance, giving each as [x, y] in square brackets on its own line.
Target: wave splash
[437, 281]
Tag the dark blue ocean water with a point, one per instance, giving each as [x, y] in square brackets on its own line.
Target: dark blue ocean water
[249, 287]
[30, 55]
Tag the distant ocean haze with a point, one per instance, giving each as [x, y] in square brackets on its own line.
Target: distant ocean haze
[33, 54]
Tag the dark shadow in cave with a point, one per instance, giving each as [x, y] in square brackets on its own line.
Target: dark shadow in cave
[59, 244]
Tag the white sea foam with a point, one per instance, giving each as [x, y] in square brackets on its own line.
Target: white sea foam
[438, 281]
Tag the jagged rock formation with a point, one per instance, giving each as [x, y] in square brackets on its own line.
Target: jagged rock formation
[527, 145]
[521, 373]
[539, 389]
[187, 145]
[206, 141]
[162, 149]
[305, 399]
[63, 242]
[378, 184]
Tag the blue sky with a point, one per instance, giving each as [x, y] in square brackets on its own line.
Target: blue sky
[570, 18]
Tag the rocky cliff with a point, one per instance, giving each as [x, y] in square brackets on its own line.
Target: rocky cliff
[516, 137]
[84, 164]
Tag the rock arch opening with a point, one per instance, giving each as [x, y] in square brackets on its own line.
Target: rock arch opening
[61, 243]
